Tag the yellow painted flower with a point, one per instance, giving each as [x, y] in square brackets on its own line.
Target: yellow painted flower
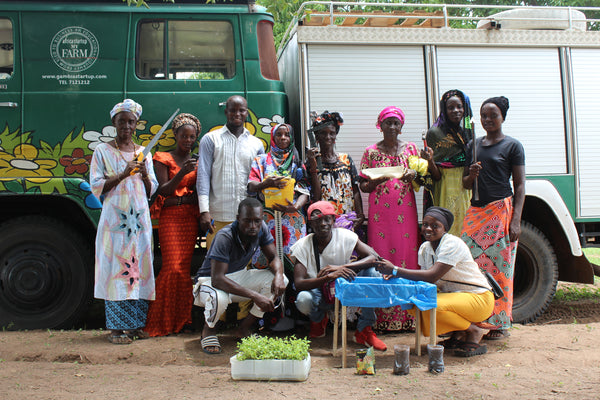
[24, 163]
[166, 140]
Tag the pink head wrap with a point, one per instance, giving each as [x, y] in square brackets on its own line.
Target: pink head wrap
[325, 207]
[391, 111]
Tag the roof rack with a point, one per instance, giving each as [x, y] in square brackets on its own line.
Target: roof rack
[451, 16]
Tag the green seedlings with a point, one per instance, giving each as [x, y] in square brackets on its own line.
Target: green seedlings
[264, 348]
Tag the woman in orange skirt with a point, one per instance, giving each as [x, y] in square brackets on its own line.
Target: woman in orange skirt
[177, 206]
[492, 225]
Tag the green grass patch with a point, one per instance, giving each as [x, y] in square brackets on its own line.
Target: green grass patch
[577, 293]
[592, 254]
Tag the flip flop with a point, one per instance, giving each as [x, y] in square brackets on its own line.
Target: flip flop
[497, 334]
[470, 349]
[451, 343]
[210, 341]
[119, 339]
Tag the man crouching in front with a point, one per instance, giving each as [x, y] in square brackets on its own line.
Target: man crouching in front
[324, 256]
[223, 277]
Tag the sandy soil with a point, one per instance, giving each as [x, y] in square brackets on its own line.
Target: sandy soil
[556, 357]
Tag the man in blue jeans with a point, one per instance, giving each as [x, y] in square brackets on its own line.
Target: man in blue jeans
[321, 258]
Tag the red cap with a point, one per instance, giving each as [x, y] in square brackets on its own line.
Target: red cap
[325, 207]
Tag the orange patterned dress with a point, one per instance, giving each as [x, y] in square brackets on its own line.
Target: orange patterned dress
[177, 232]
[485, 231]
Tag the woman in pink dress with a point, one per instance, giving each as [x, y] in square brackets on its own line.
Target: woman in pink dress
[393, 229]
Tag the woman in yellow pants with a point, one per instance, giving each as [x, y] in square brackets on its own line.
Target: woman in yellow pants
[465, 297]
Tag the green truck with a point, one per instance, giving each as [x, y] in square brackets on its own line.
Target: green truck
[63, 65]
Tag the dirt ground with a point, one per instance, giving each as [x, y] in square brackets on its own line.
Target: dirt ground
[556, 357]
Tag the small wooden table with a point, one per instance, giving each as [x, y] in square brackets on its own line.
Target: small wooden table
[379, 293]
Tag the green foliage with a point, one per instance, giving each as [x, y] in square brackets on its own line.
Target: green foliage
[577, 293]
[265, 348]
[140, 3]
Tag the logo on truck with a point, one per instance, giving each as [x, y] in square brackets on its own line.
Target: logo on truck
[74, 49]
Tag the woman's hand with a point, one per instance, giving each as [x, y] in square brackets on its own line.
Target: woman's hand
[514, 230]
[132, 166]
[311, 156]
[409, 176]
[141, 169]
[427, 154]
[384, 266]
[189, 165]
[275, 181]
[358, 221]
[474, 170]
[290, 208]
[367, 185]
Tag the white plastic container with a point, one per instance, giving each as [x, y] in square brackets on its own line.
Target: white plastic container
[270, 370]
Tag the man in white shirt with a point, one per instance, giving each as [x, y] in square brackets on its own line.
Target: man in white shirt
[321, 258]
[224, 164]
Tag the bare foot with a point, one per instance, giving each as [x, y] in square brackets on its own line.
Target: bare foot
[474, 334]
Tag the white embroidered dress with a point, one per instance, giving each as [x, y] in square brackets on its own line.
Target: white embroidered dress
[124, 269]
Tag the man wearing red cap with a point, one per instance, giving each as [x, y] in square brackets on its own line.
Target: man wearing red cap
[321, 258]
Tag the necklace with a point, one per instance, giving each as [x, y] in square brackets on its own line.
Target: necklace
[121, 153]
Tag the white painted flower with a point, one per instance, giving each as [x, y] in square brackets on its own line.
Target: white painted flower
[268, 124]
[95, 138]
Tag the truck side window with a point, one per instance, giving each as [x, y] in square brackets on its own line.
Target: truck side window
[266, 50]
[171, 49]
[6, 49]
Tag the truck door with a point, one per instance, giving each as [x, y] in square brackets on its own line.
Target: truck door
[73, 68]
[189, 62]
[10, 82]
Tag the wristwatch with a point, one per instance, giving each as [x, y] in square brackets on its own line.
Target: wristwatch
[395, 271]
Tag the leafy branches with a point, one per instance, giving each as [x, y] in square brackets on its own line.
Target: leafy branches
[140, 3]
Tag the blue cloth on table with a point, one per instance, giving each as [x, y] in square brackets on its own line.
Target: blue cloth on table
[381, 293]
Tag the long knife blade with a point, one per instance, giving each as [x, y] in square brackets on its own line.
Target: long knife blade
[154, 140]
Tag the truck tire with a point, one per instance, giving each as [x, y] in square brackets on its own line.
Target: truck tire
[536, 274]
[46, 274]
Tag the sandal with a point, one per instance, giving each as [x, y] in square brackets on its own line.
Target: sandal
[469, 349]
[497, 334]
[211, 341]
[451, 343]
[119, 339]
[137, 334]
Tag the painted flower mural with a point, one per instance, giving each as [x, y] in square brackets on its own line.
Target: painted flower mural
[166, 140]
[268, 124]
[24, 162]
[77, 163]
[33, 165]
[95, 138]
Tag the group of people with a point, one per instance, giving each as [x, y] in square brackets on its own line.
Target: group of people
[471, 223]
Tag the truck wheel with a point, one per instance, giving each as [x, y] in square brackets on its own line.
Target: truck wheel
[536, 273]
[46, 274]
